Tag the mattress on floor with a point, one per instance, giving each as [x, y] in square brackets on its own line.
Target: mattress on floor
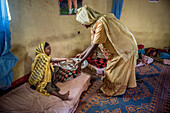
[25, 100]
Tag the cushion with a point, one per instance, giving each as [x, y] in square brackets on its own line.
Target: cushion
[164, 55]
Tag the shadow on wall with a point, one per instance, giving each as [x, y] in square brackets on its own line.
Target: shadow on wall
[63, 45]
[74, 52]
[23, 66]
[51, 39]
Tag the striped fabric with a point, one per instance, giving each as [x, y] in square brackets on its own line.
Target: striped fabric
[41, 70]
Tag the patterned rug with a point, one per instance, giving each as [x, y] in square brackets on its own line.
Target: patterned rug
[152, 95]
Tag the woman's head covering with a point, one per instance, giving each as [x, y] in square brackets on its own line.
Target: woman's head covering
[40, 48]
[87, 16]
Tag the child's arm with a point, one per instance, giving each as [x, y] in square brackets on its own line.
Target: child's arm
[60, 59]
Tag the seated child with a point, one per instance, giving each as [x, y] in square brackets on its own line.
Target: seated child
[42, 72]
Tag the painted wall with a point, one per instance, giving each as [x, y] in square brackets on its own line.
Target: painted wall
[35, 21]
[148, 21]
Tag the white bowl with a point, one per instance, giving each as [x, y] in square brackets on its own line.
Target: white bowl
[70, 66]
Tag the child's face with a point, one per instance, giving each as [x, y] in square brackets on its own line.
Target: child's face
[47, 50]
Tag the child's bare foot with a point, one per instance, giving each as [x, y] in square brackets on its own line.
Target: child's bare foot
[65, 96]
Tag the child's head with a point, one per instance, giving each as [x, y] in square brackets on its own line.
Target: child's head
[47, 48]
[43, 47]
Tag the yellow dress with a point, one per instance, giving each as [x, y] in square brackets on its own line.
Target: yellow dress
[119, 74]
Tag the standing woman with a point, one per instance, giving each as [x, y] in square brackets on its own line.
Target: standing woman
[118, 46]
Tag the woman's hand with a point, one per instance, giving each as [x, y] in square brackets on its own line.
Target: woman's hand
[79, 55]
[78, 66]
